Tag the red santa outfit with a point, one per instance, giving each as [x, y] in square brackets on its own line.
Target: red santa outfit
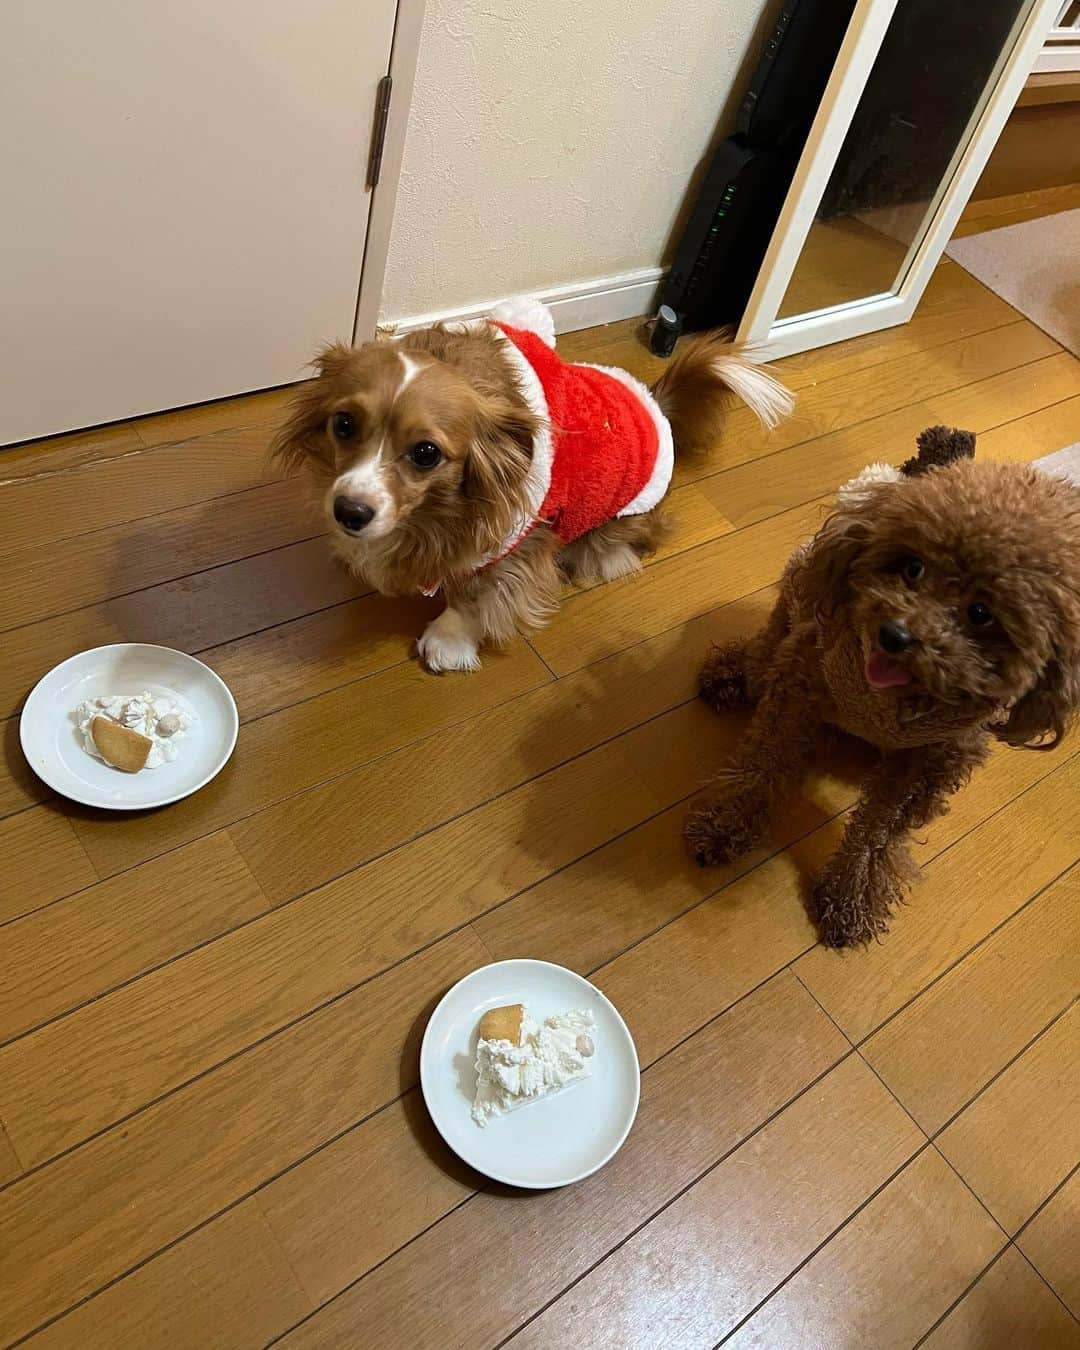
[604, 448]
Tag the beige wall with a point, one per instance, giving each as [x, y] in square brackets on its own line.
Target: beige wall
[552, 141]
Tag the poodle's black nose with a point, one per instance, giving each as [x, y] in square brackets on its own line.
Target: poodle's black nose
[895, 637]
[353, 515]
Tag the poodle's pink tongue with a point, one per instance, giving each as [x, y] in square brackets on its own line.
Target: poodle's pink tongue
[882, 672]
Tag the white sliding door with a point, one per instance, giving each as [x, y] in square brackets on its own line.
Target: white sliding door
[185, 198]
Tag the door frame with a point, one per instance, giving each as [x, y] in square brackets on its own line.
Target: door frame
[863, 39]
[404, 52]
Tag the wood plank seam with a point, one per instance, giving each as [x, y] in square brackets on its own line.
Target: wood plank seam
[285, 1331]
[932, 1137]
[15, 1154]
[471, 922]
[220, 495]
[963, 1294]
[666, 1205]
[822, 1245]
[873, 417]
[981, 1275]
[393, 965]
[33, 806]
[928, 1137]
[139, 1265]
[271, 627]
[1065, 871]
[253, 1192]
[269, 421]
[309, 1012]
[62, 899]
[134, 590]
[674, 1047]
[256, 553]
[1033, 1040]
[1030, 1220]
[532, 647]
[1042, 1278]
[385, 1105]
[1044, 1202]
[786, 966]
[44, 474]
[317, 609]
[953, 844]
[148, 970]
[140, 424]
[903, 1107]
[147, 447]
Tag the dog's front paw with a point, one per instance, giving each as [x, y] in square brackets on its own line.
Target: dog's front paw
[722, 682]
[718, 833]
[852, 903]
[447, 644]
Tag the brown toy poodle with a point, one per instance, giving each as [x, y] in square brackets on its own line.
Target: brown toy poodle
[938, 607]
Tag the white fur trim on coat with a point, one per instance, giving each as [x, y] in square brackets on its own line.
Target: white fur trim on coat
[653, 492]
[528, 314]
[857, 488]
[538, 479]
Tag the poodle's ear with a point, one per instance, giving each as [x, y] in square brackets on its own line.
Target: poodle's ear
[822, 572]
[1041, 718]
[939, 446]
[499, 457]
[300, 438]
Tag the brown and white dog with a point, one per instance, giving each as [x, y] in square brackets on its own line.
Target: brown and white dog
[469, 458]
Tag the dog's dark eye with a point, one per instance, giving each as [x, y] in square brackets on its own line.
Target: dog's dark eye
[979, 614]
[911, 568]
[425, 454]
[344, 425]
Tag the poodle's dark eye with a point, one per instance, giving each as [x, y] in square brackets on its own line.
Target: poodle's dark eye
[425, 454]
[344, 425]
[911, 568]
[979, 614]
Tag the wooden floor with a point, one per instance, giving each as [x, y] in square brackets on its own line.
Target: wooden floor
[212, 1131]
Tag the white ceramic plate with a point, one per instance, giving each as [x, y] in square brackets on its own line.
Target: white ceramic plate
[54, 750]
[558, 1139]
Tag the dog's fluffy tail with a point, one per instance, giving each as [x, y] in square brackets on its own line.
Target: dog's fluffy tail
[691, 391]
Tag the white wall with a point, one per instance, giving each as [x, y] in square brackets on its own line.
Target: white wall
[552, 141]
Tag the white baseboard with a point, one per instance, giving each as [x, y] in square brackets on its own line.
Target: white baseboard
[582, 304]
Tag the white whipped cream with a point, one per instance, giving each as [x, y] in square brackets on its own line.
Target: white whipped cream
[161, 719]
[547, 1059]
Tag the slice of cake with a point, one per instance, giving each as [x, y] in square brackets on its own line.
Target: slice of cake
[133, 731]
[519, 1060]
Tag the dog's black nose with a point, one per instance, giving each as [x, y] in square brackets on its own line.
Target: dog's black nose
[895, 637]
[353, 515]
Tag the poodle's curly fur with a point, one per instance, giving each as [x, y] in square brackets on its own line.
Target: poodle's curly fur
[990, 607]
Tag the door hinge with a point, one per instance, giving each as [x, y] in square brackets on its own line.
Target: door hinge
[378, 134]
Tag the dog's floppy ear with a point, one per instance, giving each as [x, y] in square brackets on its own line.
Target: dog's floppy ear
[499, 458]
[939, 446]
[1041, 718]
[822, 572]
[300, 437]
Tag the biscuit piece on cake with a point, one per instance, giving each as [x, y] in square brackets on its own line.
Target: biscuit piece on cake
[503, 1024]
[120, 746]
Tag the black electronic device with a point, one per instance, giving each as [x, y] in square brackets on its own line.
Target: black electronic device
[733, 217]
[717, 260]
